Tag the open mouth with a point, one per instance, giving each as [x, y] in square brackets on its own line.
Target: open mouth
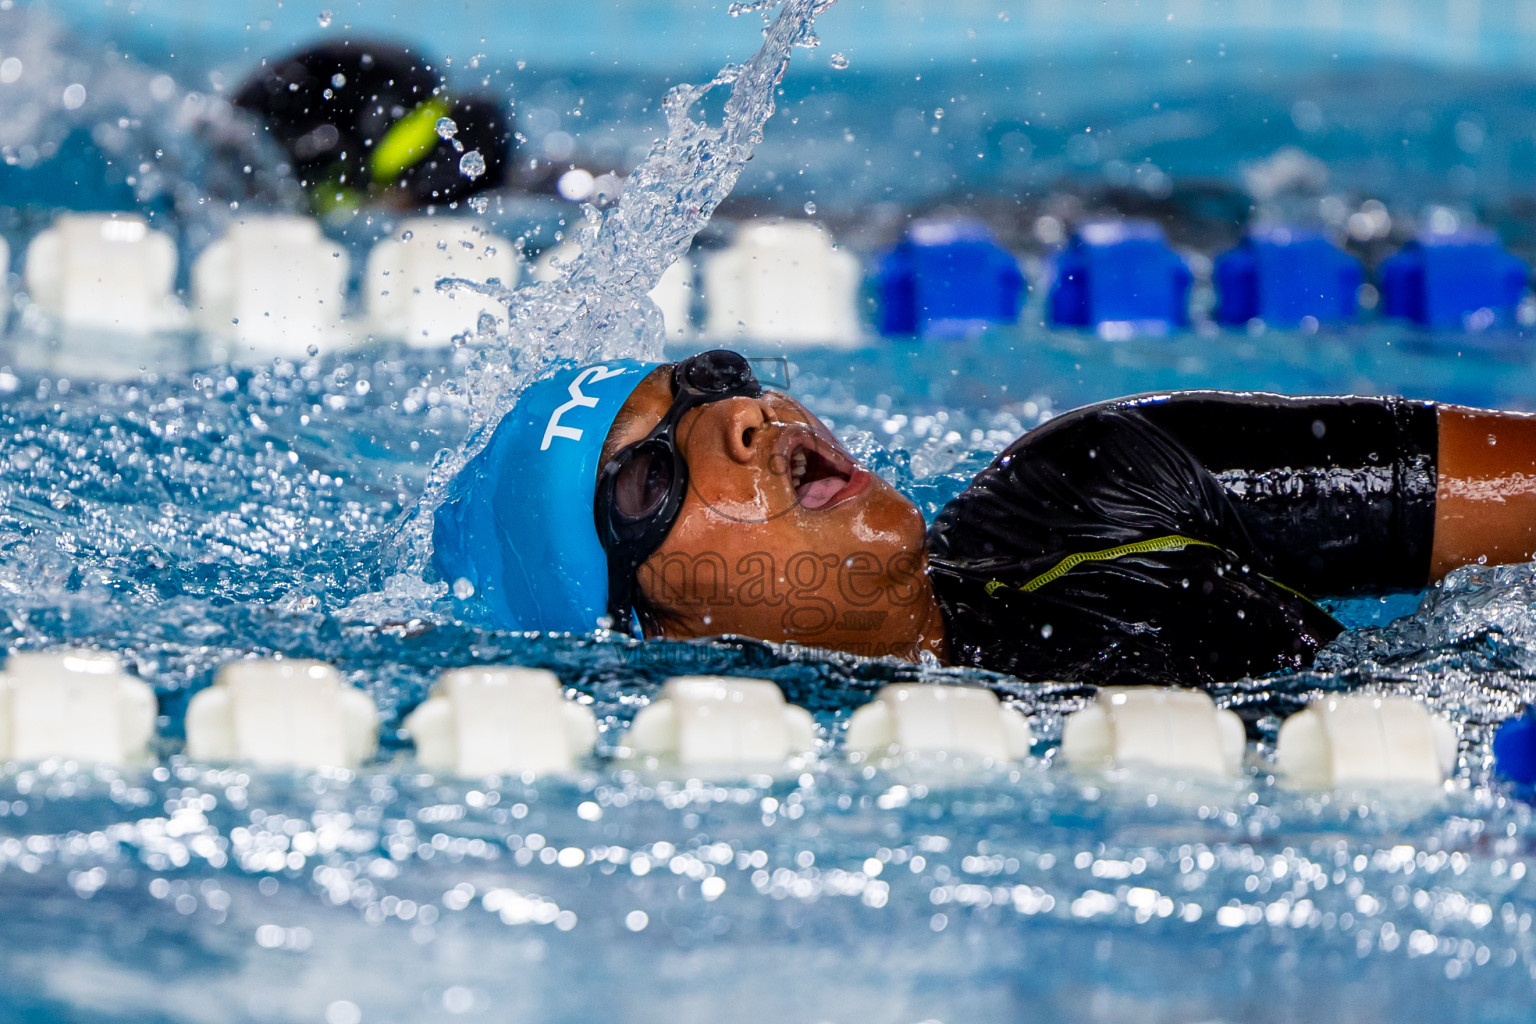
[821, 477]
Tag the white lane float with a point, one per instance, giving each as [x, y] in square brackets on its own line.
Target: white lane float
[500, 721]
[105, 272]
[400, 287]
[1365, 740]
[282, 713]
[1158, 728]
[782, 282]
[79, 705]
[721, 722]
[274, 284]
[925, 718]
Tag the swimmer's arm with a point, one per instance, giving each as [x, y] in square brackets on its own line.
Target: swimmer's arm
[1485, 494]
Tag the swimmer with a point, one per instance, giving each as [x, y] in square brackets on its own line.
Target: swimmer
[359, 121]
[1175, 538]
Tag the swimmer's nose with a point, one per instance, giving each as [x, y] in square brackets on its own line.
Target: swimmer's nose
[744, 429]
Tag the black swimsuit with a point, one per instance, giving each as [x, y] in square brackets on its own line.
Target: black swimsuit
[1178, 538]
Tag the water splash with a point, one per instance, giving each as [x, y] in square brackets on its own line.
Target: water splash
[598, 306]
[736, 10]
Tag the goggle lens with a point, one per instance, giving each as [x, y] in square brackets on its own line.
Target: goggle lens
[643, 483]
[715, 373]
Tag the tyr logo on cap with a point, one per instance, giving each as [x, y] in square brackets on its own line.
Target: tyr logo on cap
[553, 429]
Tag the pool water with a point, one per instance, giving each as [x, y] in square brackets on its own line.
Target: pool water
[193, 519]
[188, 517]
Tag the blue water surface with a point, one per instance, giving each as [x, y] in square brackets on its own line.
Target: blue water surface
[187, 519]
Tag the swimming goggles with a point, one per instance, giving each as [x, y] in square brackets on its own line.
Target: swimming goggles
[640, 490]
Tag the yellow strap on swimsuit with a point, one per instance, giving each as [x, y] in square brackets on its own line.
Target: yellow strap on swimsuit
[1172, 542]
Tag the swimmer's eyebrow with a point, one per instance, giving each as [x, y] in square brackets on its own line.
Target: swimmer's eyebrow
[625, 430]
[632, 430]
[627, 419]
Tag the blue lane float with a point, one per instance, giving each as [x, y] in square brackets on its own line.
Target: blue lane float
[947, 278]
[1514, 748]
[1287, 277]
[1463, 280]
[1121, 279]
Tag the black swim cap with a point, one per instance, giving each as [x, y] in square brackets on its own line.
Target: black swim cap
[359, 120]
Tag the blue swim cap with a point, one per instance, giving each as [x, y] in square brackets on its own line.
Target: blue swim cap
[518, 524]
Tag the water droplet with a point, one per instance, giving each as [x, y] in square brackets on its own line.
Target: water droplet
[325, 19]
[463, 589]
[480, 204]
[447, 128]
[74, 96]
[472, 164]
[839, 61]
[406, 236]
[810, 208]
[313, 350]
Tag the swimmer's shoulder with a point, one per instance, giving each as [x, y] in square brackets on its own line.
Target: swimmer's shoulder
[1104, 470]
[1077, 440]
